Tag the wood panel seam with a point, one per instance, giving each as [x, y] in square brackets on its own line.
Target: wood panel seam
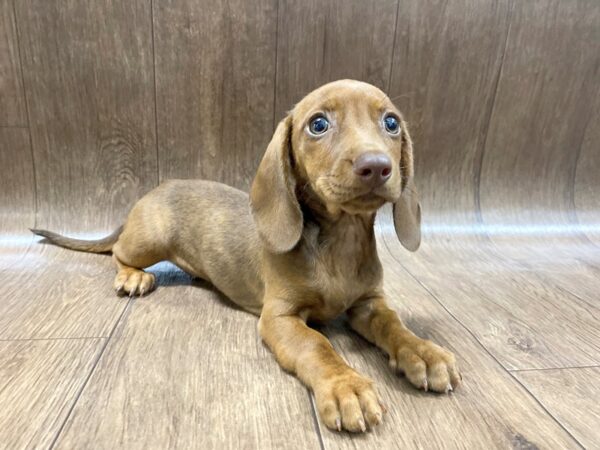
[389, 86]
[474, 337]
[54, 339]
[578, 298]
[155, 88]
[26, 101]
[542, 369]
[326, 69]
[481, 152]
[572, 182]
[275, 68]
[539, 402]
[314, 414]
[123, 314]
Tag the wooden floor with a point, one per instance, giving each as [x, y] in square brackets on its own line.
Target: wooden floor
[181, 368]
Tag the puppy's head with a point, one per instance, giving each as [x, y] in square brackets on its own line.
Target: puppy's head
[347, 143]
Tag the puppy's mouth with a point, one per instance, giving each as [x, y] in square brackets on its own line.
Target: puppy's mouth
[353, 199]
[366, 203]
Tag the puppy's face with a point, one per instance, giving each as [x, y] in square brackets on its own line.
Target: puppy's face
[347, 141]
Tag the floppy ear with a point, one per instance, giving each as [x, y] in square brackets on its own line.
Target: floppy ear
[273, 201]
[407, 210]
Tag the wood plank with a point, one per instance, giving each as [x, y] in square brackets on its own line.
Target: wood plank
[17, 184]
[12, 102]
[521, 316]
[322, 41]
[536, 315]
[215, 68]
[577, 274]
[39, 382]
[546, 94]
[490, 409]
[89, 77]
[187, 370]
[49, 292]
[446, 62]
[572, 396]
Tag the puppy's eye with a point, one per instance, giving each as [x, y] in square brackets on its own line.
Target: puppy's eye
[391, 124]
[318, 125]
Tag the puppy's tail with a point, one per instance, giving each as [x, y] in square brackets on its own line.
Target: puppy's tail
[103, 245]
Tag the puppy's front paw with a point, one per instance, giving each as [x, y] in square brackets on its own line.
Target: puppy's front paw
[348, 401]
[426, 365]
[133, 281]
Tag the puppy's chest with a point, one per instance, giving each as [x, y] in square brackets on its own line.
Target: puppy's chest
[345, 268]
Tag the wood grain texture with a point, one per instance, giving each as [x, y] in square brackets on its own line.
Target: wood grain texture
[522, 316]
[186, 370]
[447, 58]
[546, 94]
[587, 181]
[322, 41]
[54, 293]
[503, 102]
[39, 382]
[12, 101]
[88, 72]
[490, 409]
[572, 396]
[215, 67]
[17, 183]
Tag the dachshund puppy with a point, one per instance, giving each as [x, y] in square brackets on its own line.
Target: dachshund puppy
[301, 247]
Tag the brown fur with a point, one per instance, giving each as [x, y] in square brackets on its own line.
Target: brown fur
[302, 248]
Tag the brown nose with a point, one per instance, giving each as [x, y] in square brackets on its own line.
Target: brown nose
[373, 168]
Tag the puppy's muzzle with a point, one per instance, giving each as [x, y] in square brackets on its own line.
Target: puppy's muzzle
[373, 169]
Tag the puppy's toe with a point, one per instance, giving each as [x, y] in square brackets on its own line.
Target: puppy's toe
[133, 282]
[349, 402]
[120, 281]
[428, 366]
[371, 406]
[147, 283]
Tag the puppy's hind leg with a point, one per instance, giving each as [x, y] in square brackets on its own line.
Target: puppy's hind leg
[139, 246]
[132, 281]
[145, 241]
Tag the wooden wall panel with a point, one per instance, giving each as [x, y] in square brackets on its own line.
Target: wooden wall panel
[17, 184]
[89, 77]
[12, 102]
[545, 97]
[215, 68]
[446, 62]
[322, 41]
[587, 177]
